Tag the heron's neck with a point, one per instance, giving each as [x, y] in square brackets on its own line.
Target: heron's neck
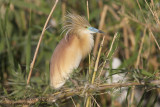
[86, 43]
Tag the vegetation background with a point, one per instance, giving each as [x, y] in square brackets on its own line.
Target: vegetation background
[136, 47]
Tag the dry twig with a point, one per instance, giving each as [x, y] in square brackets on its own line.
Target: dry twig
[102, 20]
[92, 88]
[39, 42]
[140, 50]
[104, 63]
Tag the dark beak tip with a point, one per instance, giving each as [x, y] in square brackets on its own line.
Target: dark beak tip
[101, 31]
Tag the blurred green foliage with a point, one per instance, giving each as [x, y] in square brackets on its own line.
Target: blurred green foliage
[21, 23]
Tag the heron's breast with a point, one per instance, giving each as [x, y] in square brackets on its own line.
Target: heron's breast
[86, 44]
[66, 57]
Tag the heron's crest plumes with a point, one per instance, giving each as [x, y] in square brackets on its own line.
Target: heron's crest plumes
[75, 23]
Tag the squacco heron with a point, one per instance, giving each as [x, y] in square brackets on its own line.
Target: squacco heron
[75, 46]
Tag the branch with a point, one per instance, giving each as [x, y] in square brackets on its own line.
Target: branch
[76, 91]
[40, 39]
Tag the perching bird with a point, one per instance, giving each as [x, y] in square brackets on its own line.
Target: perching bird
[75, 46]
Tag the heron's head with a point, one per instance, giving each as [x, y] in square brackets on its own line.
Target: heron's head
[77, 24]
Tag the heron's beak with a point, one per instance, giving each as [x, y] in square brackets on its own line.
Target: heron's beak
[94, 30]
